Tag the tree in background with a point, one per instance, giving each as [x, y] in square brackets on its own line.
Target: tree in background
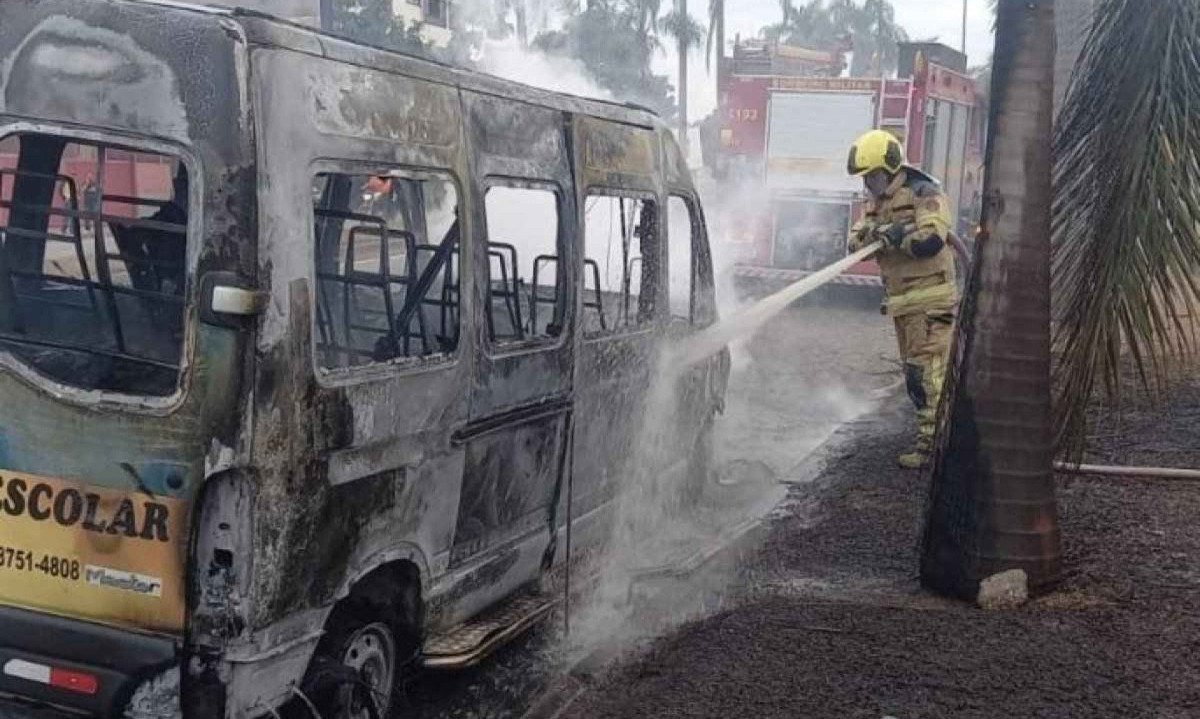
[715, 40]
[372, 22]
[614, 40]
[688, 35]
[818, 25]
[873, 29]
[520, 18]
[810, 25]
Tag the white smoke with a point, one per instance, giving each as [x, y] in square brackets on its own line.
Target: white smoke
[728, 211]
[507, 59]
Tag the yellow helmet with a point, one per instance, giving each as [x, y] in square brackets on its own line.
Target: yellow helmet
[875, 150]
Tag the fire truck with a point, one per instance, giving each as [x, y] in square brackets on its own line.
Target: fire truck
[789, 117]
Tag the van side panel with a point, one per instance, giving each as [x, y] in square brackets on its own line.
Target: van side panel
[521, 390]
[615, 370]
[358, 466]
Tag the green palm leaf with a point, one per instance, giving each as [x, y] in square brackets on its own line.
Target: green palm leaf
[1126, 223]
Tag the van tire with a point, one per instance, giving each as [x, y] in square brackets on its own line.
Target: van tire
[368, 646]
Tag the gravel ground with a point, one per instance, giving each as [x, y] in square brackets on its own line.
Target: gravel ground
[831, 622]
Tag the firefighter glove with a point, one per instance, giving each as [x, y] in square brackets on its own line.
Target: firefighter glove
[860, 234]
[892, 234]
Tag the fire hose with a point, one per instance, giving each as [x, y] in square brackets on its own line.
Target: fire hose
[709, 341]
[960, 248]
[1115, 471]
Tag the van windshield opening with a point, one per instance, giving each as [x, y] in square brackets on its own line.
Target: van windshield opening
[93, 241]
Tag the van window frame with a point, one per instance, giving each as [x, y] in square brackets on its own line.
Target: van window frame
[696, 238]
[564, 307]
[333, 377]
[704, 270]
[656, 323]
[124, 401]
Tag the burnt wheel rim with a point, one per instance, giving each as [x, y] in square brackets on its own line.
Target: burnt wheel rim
[371, 653]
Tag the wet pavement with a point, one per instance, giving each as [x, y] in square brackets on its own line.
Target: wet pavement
[806, 373]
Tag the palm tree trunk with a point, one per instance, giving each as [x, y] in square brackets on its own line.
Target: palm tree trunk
[683, 81]
[522, 23]
[718, 21]
[992, 504]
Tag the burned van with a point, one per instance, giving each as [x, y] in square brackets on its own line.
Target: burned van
[314, 359]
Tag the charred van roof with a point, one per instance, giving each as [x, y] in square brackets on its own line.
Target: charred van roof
[268, 30]
[190, 6]
[264, 29]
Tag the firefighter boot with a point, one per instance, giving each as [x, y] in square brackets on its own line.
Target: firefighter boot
[916, 459]
[919, 456]
[920, 390]
[926, 426]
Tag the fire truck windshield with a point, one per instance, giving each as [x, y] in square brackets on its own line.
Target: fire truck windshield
[92, 255]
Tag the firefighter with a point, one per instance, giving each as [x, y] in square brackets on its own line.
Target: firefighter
[911, 215]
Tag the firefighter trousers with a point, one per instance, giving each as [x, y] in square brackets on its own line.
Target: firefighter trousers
[924, 339]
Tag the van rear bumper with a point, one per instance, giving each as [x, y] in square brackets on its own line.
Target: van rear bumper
[118, 659]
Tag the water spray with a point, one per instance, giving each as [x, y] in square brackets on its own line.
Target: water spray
[704, 344]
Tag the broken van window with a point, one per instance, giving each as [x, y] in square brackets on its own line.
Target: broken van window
[92, 266]
[524, 248]
[681, 274]
[620, 275]
[387, 259]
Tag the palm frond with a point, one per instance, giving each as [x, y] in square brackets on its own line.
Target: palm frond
[716, 18]
[684, 28]
[787, 10]
[1126, 227]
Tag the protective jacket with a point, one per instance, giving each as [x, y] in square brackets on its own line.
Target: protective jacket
[917, 265]
[917, 262]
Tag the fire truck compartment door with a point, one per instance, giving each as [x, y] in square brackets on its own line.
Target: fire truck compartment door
[809, 135]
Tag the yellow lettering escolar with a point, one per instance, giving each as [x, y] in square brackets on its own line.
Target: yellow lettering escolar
[70, 507]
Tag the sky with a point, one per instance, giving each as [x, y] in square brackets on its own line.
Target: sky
[922, 19]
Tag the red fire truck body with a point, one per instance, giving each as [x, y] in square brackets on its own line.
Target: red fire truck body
[788, 136]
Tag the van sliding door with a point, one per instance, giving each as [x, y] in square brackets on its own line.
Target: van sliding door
[623, 301]
[520, 394]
